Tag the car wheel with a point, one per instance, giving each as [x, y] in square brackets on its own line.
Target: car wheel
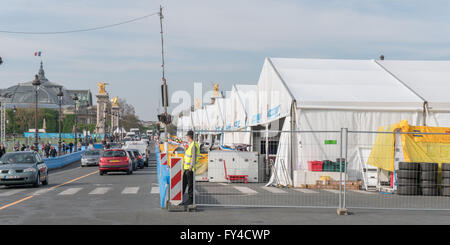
[408, 174]
[407, 190]
[430, 191]
[37, 182]
[429, 175]
[101, 172]
[445, 174]
[408, 165]
[428, 166]
[445, 166]
[45, 182]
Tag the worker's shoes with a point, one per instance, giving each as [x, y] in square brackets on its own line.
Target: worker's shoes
[186, 203]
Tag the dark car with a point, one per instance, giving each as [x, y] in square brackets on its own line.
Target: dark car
[134, 160]
[139, 158]
[23, 168]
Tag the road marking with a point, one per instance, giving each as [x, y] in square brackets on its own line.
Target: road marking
[273, 189]
[363, 192]
[40, 192]
[11, 192]
[306, 191]
[99, 191]
[16, 202]
[70, 191]
[155, 190]
[130, 190]
[70, 181]
[54, 187]
[332, 191]
[222, 183]
[245, 190]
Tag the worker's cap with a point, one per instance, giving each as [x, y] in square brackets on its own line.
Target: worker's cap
[190, 133]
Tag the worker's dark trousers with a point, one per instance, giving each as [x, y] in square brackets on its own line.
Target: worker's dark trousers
[188, 181]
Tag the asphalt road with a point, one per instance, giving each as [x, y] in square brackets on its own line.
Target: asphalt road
[79, 195]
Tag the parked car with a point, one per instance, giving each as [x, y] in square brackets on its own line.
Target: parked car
[134, 160]
[91, 157]
[23, 168]
[141, 146]
[139, 158]
[115, 160]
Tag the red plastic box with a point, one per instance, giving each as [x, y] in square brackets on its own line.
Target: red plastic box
[315, 166]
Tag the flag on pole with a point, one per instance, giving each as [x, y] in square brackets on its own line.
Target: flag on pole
[37, 53]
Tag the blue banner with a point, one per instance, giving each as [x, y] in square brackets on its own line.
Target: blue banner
[56, 135]
[274, 112]
[256, 118]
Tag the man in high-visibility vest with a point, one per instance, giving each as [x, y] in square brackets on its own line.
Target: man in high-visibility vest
[191, 156]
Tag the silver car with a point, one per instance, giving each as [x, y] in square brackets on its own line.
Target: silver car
[91, 157]
[23, 168]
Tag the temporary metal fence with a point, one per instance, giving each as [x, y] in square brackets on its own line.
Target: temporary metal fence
[342, 177]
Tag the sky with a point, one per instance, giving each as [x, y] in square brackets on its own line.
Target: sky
[207, 41]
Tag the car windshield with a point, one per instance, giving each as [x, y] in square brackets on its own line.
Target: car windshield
[18, 158]
[92, 153]
[114, 154]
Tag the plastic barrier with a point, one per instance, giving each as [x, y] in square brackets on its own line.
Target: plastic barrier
[176, 180]
[163, 178]
[61, 161]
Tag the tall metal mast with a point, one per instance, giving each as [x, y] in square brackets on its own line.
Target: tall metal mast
[164, 84]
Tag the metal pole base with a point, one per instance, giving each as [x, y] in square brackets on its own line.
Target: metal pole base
[177, 208]
[342, 211]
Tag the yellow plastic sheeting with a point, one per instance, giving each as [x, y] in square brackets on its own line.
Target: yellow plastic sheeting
[416, 147]
[426, 148]
[442, 135]
[382, 154]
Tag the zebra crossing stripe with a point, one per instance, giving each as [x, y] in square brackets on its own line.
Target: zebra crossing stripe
[155, 190]
[70, 191]
[306, 191]
[99, 191]
[11, 192]
[273, 189]
[130, 190]
[245, 190]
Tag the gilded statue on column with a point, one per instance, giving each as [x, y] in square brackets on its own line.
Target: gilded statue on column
[101, 87]
[115, 100]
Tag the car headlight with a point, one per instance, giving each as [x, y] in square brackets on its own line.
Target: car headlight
[29, 170]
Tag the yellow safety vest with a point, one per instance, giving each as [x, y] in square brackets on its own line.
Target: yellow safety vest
[188, 155]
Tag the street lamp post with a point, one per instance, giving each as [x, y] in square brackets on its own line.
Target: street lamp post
[36, 83]
[75, 99]
[60, 97]
[14, 126]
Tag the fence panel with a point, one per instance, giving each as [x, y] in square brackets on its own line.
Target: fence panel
[280, 178]
[401, 170]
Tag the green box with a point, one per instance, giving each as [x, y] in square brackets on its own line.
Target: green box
[336, 166]
[328, 166]
[330, 142]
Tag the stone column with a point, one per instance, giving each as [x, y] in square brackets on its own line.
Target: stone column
[114, 117]
[102, 105]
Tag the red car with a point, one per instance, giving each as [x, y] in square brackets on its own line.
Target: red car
[115, 160]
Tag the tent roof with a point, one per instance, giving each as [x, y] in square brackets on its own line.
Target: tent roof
[342, 83]
[430, 79]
